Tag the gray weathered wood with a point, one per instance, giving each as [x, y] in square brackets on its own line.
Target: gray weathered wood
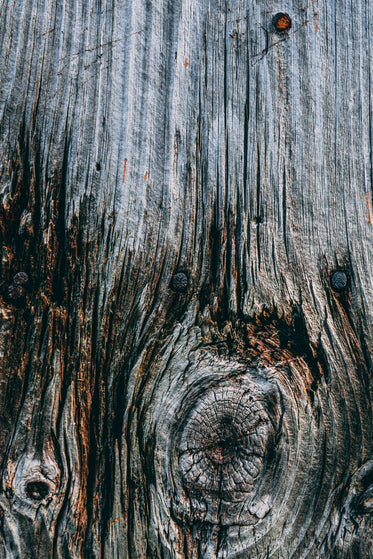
[143, 138]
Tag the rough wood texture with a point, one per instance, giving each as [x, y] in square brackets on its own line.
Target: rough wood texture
[232, 418]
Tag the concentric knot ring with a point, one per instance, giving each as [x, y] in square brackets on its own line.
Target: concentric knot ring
[223, 443]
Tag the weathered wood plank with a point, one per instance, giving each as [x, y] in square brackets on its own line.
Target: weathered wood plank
[140, 139]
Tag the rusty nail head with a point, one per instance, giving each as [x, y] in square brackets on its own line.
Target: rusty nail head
[281, 22]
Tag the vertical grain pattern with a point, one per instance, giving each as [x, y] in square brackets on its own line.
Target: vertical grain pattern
[140, 139]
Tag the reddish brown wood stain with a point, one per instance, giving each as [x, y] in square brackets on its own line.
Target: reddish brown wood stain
[369, 214]
[315, 16]
[124, 170]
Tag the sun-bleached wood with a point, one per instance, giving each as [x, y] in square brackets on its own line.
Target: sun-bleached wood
[231, 418]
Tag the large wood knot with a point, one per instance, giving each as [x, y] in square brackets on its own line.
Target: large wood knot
[241, 430]
[226, 446]
[224, 441]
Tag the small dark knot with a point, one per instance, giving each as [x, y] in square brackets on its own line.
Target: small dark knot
[21, 278]
[16, 292]
[37, 490]
[339, 281]
[179, 282]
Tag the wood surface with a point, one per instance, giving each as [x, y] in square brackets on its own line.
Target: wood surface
[141, 139]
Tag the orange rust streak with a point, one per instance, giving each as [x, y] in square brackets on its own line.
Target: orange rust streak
[369, 214]
[186, 63]
[146, 176]
[315, 15]
[124, 169]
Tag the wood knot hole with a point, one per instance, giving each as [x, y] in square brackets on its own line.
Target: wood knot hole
[37, 490]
